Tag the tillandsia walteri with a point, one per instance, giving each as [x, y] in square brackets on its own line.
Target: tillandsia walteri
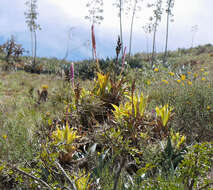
[93, 42]
[94, 54]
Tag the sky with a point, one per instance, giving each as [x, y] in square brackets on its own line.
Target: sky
[58, 17]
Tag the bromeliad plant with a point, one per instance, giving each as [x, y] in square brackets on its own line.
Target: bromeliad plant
[66, 135]
[64, 138]
[102, 84]
[177, 139]
[82, 182]
[134, 108]
[109, 91]
[164, 114]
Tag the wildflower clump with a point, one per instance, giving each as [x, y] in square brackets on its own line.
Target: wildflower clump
[189, 82]
[183, 77]
[4, 137]
[195, 75]
[171, 73]
[148, 82]
[42, 96]
[44, 87]
[165, 81]
[179, 81]
[156, 69]
[177, 139]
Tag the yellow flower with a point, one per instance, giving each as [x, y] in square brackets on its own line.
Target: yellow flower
[189, 72]
[165, 81]
[171, 73]
[4, 137]
[189, 82]
[156, 69]
[203, 79]
[188, 102]
[195, 75]
[148, 82]
[181, 141]
[206, 73]
[178, 80]
[44, 87]
[202, 69]
[208, 107]
[183, 77]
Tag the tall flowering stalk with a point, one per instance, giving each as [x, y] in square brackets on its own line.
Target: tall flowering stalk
[94, 47]
[93, 42]
[72, 74]
[123, 58]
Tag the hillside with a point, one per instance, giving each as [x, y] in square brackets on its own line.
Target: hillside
[108, 126]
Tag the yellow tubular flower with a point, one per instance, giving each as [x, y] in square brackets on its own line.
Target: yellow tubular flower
[189, 82]
[4, 136]
[183, 77]
[148, 82]
[171, 73]
[195, 75]
[44, 87]
[165, 81]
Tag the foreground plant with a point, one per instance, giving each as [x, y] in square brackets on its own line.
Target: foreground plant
[164, 113]
[66, 137]
[134, 108]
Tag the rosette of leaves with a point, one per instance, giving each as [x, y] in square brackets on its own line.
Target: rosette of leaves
[134, 108]
[163, 114]
[65, 137]
[108, 90]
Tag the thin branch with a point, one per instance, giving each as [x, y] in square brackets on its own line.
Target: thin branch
[63, 171]
[33, 177]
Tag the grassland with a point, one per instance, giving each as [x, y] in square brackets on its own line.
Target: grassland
[106, 134]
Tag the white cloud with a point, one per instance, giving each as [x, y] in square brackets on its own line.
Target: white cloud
[56, 16]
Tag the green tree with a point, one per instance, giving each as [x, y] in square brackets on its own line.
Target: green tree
[95, 16]
[135, 6]
[12, 51]
[31, 16]
[120, 5]
[157, 13]
[170, 6]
